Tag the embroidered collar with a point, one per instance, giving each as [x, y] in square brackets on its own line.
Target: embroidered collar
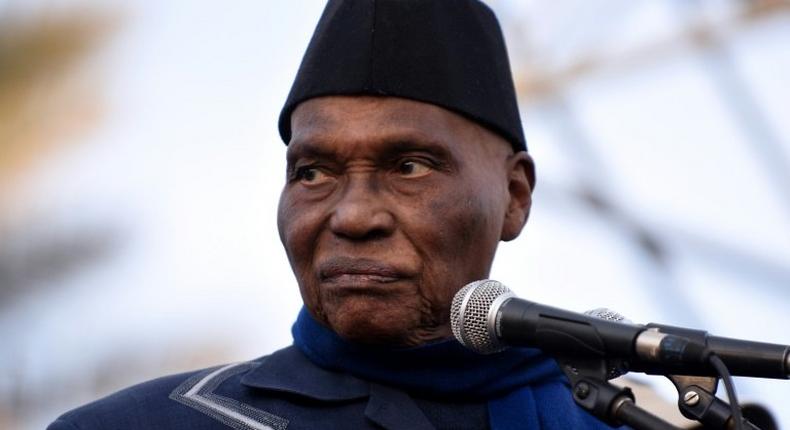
[289, 371]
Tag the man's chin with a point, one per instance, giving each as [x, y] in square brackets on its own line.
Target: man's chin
[372, 322]
[366, 331]
[378, 322]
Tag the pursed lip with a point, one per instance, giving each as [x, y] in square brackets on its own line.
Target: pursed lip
[354, 270]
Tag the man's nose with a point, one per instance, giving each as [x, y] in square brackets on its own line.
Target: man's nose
[361, 213]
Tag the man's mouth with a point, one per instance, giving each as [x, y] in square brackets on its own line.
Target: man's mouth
[344, 270]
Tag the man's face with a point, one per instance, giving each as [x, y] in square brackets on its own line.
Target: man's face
[390, 207]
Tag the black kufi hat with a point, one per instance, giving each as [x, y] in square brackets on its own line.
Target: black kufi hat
[450, 53]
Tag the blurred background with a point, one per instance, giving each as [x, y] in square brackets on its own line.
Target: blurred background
[140, 168]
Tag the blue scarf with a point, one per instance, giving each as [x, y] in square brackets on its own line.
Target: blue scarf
[524, 388]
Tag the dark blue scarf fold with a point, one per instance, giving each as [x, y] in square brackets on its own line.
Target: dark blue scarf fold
[523, 387]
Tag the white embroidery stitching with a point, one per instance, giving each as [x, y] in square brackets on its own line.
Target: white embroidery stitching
[197, 393]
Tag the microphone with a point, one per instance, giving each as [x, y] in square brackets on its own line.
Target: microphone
[487, 317]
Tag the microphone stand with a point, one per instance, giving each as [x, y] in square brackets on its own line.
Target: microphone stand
[616, 406]
[609, 403]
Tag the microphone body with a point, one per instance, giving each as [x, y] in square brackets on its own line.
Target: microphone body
[742, 357]
[569, 334]
[487, 317]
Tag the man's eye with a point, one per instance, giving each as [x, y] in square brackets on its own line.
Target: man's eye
[311, 175]
[413, 168]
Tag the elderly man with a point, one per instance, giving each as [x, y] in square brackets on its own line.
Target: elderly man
[406, 166]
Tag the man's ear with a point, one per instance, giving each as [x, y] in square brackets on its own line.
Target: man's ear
[521, 182]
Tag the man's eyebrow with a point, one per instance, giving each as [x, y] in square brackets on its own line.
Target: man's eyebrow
[306, 150]
[403, 144]
[389, 146]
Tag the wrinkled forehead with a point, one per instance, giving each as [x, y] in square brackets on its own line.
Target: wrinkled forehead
[349, 119]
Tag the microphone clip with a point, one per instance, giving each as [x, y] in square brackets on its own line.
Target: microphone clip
[697, 401]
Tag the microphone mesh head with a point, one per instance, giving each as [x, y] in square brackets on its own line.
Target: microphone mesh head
[469, 315]
[609, 315]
